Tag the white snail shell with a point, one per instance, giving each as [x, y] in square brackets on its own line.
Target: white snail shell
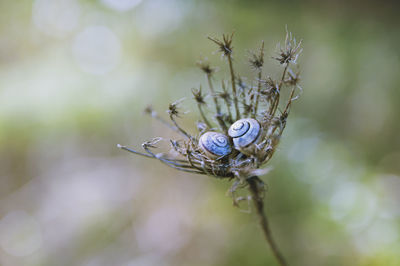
[215, 145]
[246, 134]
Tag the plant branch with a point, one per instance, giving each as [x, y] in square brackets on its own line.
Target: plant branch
[217, 105]
[171, 116]
[233, 81]
[211, 87]
[226, 99]
[203, 115]
[256, 189]
[257, 62]
[280, 88]
[257, 99]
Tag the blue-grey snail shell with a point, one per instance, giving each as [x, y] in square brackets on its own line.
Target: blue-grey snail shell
[215, 145]
[246, 134]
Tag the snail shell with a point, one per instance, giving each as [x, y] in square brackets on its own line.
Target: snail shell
[246, 133]
[215, 144]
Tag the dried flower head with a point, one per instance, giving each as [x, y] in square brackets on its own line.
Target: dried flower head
[198, 96]
[205, 66]
[257, 60]
[244, 131]
[290, 51]
[225, 45]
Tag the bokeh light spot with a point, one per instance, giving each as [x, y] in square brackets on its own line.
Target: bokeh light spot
[121, 5]
[163, 231]
[20, 234]
[56, 17]
[97, 50]
[158, 17]
[354, 205]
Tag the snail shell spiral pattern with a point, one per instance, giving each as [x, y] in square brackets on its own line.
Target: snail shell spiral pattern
[215, 144]
[245, 133]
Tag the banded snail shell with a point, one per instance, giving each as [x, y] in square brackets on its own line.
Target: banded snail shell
[215, 145]
[246, 133]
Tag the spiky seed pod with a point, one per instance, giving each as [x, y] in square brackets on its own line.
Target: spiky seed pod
[215, 145]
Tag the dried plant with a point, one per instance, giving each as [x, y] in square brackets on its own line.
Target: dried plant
[244, 131]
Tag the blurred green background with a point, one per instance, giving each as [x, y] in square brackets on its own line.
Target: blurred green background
[75, 76]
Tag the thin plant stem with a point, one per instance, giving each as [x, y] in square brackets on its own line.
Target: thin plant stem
[133, 151]
[235, 99]
[175, 162]
[203, 116]
[179, 128]
[257, 99]
[221, 123]
[260, 64]
[211, 87]
[228, 106]
[289, 103]
[257, 197]
[276, 103]
[283, 75]
[155, 115]
[217, 106]
[184, 168]
[245, 109]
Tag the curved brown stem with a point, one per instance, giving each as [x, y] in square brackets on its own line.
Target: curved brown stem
[256, 189]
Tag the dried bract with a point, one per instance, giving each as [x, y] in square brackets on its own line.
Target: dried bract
[225, 45]
[257, 60]
[290, 51]
[205, 66]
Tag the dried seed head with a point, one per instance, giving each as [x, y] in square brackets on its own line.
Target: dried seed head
[205, 66]
[198, 96]
[173, 109]
[148, 110]
[257, 60]
[151, 143]
[289, 52]
[225, 45]
[261, 105]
